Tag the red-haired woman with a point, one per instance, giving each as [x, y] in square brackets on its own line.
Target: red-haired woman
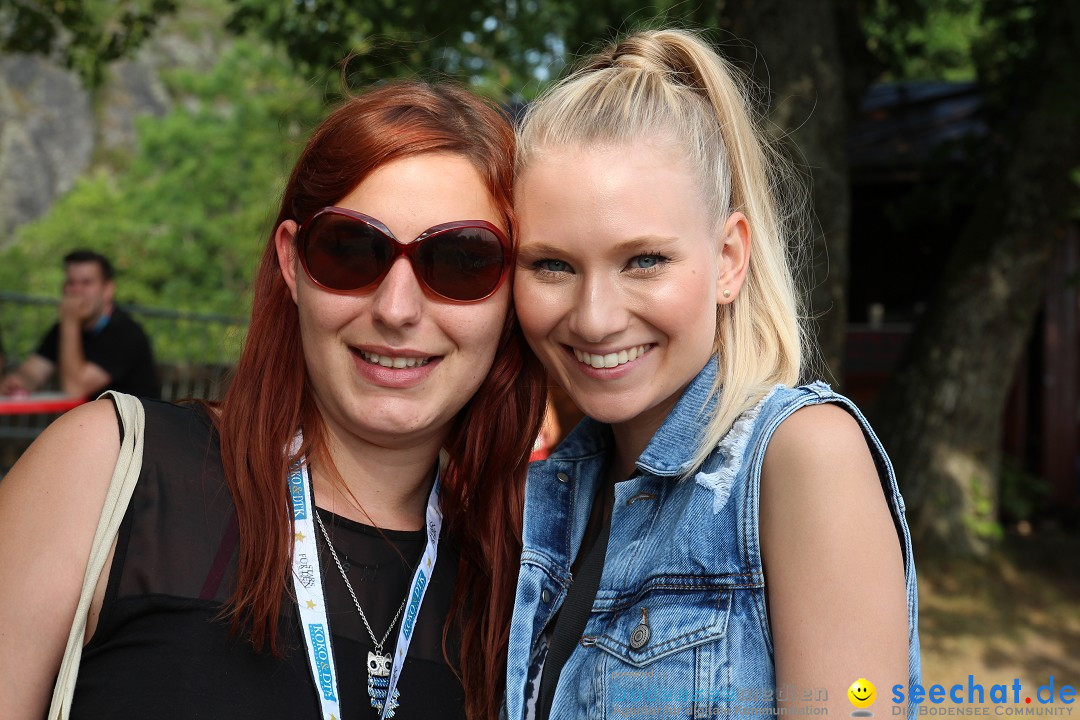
[309, 516]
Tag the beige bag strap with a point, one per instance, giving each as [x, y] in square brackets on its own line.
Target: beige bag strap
[126, 474]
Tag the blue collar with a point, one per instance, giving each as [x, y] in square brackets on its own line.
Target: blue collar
[100, 324]
[668, 453]
[675, 443]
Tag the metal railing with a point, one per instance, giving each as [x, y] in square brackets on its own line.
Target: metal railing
[177, 336]
[194, 353]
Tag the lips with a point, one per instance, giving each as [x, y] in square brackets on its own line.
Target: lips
[394, 368]
[610, 359]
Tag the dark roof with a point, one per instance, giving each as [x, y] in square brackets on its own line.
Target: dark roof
[900, 125]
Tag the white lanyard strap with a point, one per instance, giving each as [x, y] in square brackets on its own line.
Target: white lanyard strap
[311, 598]
[308, 586]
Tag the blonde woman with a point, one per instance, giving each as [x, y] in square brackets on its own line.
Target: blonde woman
[713, 539]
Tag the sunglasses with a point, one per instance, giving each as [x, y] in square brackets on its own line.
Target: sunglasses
[348, 252]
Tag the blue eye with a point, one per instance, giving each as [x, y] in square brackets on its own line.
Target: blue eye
[646, 262]
[557, 266]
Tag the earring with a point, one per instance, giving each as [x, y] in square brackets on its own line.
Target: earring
[727, 293]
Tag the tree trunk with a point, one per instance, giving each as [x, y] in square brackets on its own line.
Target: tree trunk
[941, 416]
[798, 54]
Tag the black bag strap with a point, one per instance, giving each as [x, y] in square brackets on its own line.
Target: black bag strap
[574, 613]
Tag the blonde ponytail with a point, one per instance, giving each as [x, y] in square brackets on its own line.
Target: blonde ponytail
[671, 84]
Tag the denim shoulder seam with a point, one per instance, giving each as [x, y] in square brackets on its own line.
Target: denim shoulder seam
[732, 448]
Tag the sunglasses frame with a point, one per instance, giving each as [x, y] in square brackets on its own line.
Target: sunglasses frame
[407, 249]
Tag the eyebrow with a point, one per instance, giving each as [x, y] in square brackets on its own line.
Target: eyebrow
[643, 243]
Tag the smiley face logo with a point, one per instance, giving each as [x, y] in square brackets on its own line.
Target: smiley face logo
[862, 693]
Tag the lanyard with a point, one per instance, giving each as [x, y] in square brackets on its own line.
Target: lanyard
[311, 598]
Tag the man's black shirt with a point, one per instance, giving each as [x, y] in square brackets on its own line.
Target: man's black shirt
[121, 349]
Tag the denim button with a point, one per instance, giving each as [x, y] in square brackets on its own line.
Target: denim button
[545, 596]
[563, 477]
[640, 637]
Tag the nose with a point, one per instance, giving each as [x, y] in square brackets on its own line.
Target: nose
[399, 299]
[600, 312]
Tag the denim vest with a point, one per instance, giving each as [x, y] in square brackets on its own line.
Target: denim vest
[679, 621]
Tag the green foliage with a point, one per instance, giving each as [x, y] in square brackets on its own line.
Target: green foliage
[982, 520]
[1022, 493]
[1007, 49]
[86, 34]
[952, 40]
[186, 220]
[501, 48]
[925, 39]
[508, 49]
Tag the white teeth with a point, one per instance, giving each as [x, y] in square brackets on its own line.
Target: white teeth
[394, 362]
[610, 360]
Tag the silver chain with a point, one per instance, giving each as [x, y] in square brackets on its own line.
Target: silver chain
[333, 552]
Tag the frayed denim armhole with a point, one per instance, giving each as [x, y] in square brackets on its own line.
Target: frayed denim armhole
[732, 448]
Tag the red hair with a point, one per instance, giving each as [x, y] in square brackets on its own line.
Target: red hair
[269, 398]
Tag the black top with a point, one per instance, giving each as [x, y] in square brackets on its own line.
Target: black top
[160, 650]
[121, 349]
[569, 623]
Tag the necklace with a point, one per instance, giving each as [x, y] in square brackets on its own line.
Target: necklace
[307, 582]
[378, 662]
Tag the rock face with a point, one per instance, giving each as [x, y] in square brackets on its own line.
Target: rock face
[47, 133]
[133, 88]
[51, 128]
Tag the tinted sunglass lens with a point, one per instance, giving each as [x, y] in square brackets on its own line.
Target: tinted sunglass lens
[463, 263]
[345, 254]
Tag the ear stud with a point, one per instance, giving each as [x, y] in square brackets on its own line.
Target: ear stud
[727, 293]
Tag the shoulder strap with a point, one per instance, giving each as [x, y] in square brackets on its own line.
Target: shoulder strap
[575, 611]
[128, 467]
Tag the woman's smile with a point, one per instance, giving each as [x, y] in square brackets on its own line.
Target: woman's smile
[394, 368]
[600, 359]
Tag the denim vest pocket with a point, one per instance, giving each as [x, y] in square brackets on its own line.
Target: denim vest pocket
[672, 667]
[665, 618]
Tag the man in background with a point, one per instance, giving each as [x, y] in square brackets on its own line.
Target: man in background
[94, 346]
